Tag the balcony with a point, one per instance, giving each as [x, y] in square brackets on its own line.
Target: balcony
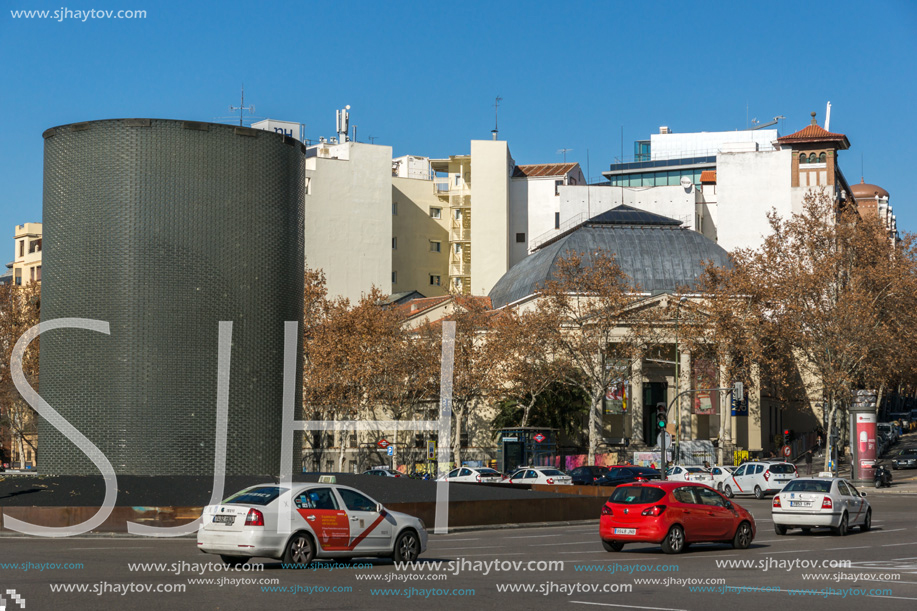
[460, 234]
[460, 269]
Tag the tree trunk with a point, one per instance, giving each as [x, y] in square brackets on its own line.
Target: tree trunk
[528, 410]
[457, 436]
[830, 423]
[595, 425]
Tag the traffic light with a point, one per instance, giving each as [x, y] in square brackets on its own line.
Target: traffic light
[661, 416]
[788, 435]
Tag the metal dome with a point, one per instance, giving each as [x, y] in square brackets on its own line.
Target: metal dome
[864, 190]
[658, 255]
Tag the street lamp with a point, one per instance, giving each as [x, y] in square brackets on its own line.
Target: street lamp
[678, 377]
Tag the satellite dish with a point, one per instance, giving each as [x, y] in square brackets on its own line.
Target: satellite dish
[347, 107]
[686, 182]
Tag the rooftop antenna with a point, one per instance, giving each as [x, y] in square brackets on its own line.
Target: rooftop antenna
[496, 114]
[828, 117]
[564, 152]
[343, 124]
[372, 139]
[242, 107]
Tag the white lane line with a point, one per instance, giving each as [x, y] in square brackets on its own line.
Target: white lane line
[592, 541]
[789, 551]
[534, 536]
[834, 549]
[479, 555]
[436, 539]
[894, 530]
[897, 544]
[73, 549]
[597, 552]
[773, 540]
[450, 549]
[582, 602]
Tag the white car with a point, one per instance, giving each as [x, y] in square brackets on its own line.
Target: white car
[679, 473]
[383, 472]
[539, 475]
[474, 475]
[759, 478]
[326, 521]
[720, 475]
[808, 503]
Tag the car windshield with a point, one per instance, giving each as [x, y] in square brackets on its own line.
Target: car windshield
[908, 455]
[808, 485]
[694, 470]
[551, 472]
[255, 496]
[782, 468]
[636, 495]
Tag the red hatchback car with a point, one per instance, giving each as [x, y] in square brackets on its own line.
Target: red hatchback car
[675, 515]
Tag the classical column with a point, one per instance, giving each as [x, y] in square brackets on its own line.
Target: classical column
[754, 411]
[686, 421]
[635, 401]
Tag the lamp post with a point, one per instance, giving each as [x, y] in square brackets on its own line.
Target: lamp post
[678, 422]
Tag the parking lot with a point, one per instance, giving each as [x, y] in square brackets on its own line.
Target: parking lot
[504, 568]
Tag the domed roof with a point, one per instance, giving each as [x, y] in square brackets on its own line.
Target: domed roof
[657, 253]
[864, 190]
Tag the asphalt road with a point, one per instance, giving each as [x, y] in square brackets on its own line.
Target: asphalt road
[885, 558]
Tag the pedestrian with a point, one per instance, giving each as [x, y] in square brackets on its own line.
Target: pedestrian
[808, 462]
[818, 443]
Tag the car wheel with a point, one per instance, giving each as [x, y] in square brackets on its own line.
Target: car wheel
[674, 542]
[407, 547]
[780, 529]
[300, 550]
[719, 486]
[612, 546]
[867, 521]
[234, 561]
[728, 491]
[841, 530]
[759, 494]
[743, 536]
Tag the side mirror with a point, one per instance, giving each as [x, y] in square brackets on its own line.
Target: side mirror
[379, 508]
[862, 494]
[728, 504]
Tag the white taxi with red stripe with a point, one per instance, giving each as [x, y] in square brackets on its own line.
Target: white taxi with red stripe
[759, 478]
[831, 502]
[326, 521]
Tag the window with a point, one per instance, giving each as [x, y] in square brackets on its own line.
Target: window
[709, 497]
[458, 214]
[32, 270]
[557, 185]
[636, 495]
[465, 472]
[319, 498]
[803, 159]
[434, 280]
[394, 208]
[308, 185]
[394, 277]
[21, 248]
[458, 283]
[356, 501]
[255, 496]
[842, 487]
[557, 220]
[394, 243]
[458, 179]
[520, 238]
[436, 213]
[457, 248]
[812, 158]
[38, 274]
[436, 246]
[685, 495]
[823, 158]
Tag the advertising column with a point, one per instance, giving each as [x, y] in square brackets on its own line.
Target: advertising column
[863, 436]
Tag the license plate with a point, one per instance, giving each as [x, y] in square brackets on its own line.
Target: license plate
[625, 531]
[800, 504]
[224, 519]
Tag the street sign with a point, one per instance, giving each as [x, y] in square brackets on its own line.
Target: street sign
[383, 443]
[510, 439]
[390, 450]
[787, 451]
[539, 437]
[431, 450]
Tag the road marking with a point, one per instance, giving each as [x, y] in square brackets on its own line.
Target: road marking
[435, 538]
[889, 531]
[478, 555]
[834, 549]
[897, 544]
[449, 549]
[589, 552]
[774, 540]
[72, 549]
[582, 602]
[790, 551]
[553, 544]
[534, 536]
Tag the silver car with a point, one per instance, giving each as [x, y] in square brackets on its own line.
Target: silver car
[326, 521]
[831, 502]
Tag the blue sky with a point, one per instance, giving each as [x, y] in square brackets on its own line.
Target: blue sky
[422, 77]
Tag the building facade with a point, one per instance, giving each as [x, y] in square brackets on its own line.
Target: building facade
[27, 254]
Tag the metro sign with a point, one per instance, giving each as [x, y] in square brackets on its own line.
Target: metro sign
[539, 437]
[383, 443]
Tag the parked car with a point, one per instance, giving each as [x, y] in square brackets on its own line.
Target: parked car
[586, 476]
[721, 474]
[539, 475]
[326, 521]
[673, 515]
[759, 478]
[907, 459]
[474, 475]
[809, 503]
[679, 473]
[889, 430]
[627, 474]
[383, 472]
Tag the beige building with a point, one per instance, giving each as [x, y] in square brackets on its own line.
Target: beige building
[27, 255]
